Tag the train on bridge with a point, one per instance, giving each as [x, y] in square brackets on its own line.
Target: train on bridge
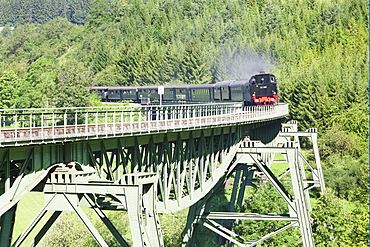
[260, 89]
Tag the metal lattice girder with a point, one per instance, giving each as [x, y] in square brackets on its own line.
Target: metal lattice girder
[254, 243]
[136, 192]
[21, 186]
[68, 201]
[248, 216]
[17, 178]
[301, 200]
[94, 232]
[187, 163]
[254, 154]
[317, 173]
[275, 182]
[6, 226]
[222, 231]
[231, 236]
[194, 218]
[243, 178]
[106, 221]
[34, 222]
[299, 203]
[71, 186]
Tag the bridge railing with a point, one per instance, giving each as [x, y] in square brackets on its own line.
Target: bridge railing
[50, 124]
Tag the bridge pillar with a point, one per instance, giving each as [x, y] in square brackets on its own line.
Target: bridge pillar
[6, 226]
[301, 201]
[71, 187]
[290, 131]
[253, 158]
[140, 198]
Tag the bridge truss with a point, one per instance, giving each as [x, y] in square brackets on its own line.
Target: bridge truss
[144, 161]
[252, 162]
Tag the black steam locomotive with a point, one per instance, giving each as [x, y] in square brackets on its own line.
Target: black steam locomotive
[260, 89]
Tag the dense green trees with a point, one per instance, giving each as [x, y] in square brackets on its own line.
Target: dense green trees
[15, 12]
[8, 81]
[317, 49]
[336, 225]
[267, 200]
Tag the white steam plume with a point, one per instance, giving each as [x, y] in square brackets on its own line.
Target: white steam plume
[242, 66]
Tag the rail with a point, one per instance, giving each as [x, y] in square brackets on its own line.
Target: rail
[24, 126]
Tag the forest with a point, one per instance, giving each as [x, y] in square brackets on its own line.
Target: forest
[15, 12]
[51, 52]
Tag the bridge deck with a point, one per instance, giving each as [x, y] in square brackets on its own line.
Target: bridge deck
[27, 126]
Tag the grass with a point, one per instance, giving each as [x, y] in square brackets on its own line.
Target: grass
[68, 223]
[27, 209]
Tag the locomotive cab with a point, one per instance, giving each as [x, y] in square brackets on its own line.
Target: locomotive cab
[263, 89]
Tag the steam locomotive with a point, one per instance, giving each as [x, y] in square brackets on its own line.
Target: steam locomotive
[260, 89]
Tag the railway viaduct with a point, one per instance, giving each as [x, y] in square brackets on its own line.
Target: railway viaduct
[148, 160]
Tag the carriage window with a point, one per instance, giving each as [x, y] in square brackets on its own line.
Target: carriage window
[200, 92]
[217, 93]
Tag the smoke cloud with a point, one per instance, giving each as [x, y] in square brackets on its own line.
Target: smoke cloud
[243, 65]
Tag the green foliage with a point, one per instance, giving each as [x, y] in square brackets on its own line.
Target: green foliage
[193, 69]
[72, 86]
[337, 141]
[29, 42]
[8, 81]
[267, 200]
[347, 177]
[47, 83]
[37, 89]
[104, 12]
[69, 230]
[32, 11]
[334, 226]
[354, 120]
[172, 226]
[317, 49]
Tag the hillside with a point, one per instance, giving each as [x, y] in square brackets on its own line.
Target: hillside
[18, 12]
[52, 51]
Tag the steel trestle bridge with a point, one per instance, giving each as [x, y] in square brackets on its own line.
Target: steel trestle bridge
[148, 160]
